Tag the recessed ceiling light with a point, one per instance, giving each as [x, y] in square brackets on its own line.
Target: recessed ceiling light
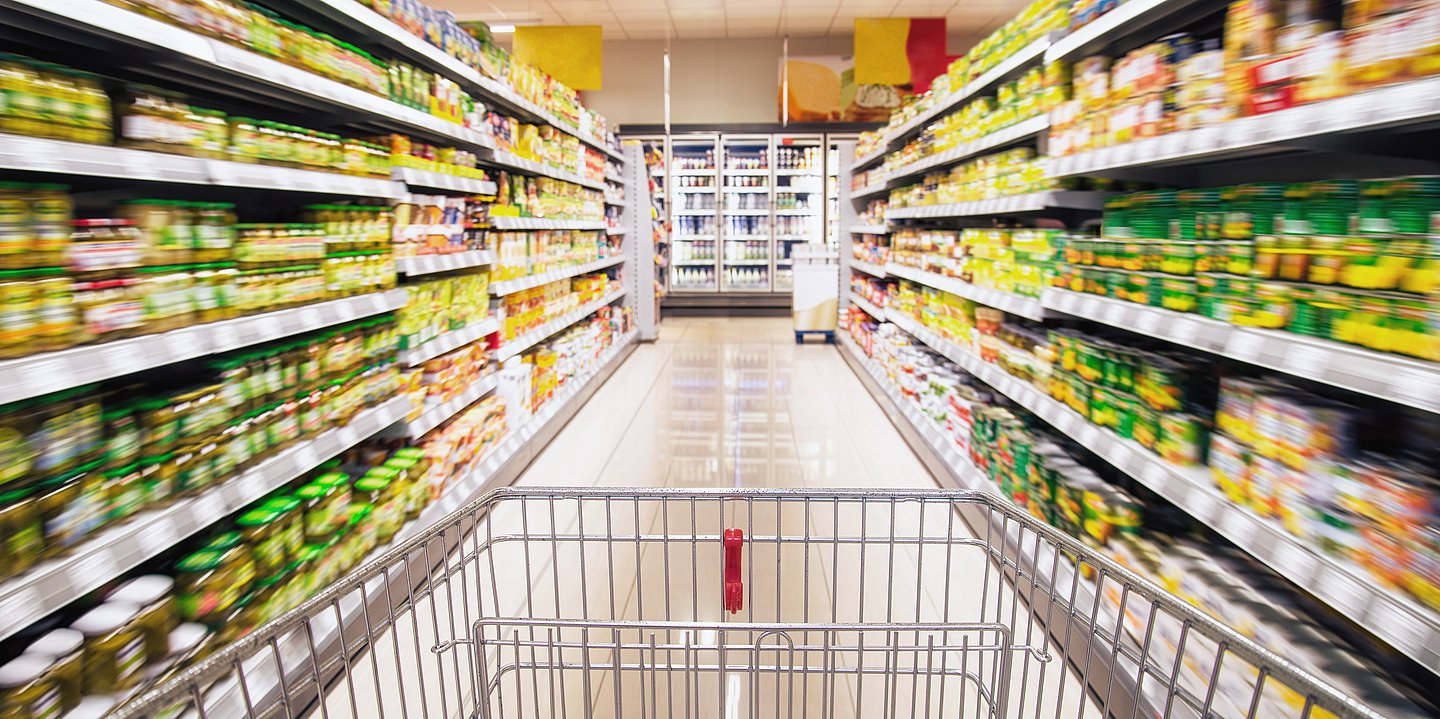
[502, 29]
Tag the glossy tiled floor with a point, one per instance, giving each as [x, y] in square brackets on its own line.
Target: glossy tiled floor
[721, 403]
[730, 403]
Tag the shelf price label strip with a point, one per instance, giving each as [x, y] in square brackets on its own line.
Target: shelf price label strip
[33, 595]
[54, 371]
[1406, 381]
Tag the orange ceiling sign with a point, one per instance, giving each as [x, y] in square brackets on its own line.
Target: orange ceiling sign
[570, 53]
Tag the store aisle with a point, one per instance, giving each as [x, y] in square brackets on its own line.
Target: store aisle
[730, 402]
[722, 403]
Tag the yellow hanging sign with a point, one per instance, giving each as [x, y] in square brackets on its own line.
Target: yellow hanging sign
[570, 53]
[880, 54]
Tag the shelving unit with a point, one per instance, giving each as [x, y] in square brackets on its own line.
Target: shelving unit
[29, 597]
[239, 81]
[506, 287]
[1343, 137]
[530, 339]
[47, 372]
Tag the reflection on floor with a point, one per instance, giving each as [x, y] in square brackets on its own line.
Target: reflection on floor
[718, 403]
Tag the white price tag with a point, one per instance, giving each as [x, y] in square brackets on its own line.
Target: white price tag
[346, 311]
[306, 456]
[124, 357]
[251, 484]
[208, 507]
[20, 605]
[1154, 472]
[141, 165]
[1306, 361]
[35, 154]
[1398, 626]
[1244, 345]
[269, 326]
[310, 318]
[1147, 322]
[88, 569]
[1239, 527]
[46, 375]
[1422, 385]
[1114, 313]
[184, 344]
[348, 436]
[1295, 561]
[1201, 505]
[227, 337]
[161, 534]
[1344, 593]
[1185, 330]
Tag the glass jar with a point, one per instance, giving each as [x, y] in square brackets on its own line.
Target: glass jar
[114, 648]
[22, 529]
[211, 582]
[72, 507]
[64, 649]
[152, 597]
[30, 689]
[51, 212]
[56, 321]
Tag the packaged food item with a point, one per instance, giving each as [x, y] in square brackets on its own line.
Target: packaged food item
[114, 647]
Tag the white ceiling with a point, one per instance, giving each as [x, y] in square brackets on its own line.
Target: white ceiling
[695, 19]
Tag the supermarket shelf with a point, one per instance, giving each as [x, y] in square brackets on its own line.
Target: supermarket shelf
[1397, 620]
[59, 157]
[515, 162]
[425, 179]
[807, 172]
[868, 268]
[1026, 56]
[746, 238]
[54, 584]
[1410, 382]
[201, 59]
[746, 212]
[385, 31]
[799, 212]
[742, 190]
[1027, 307]
[413, 231]
[693, 263]
[692, 190]
[1407, 103]
[438, 415]
[506, 287]
[615, 201]
[450, 341]
[747, 263]
[873, 188]
[864, 160]
[1014, 133]
[692, 211]
[544, 223]
[532, 338]
[881, 229]
[1029, 202]
[614, 230]
[552, 417]
[612, 177]
[692, 173]
[1133, 19]
[869, 308]
[747, 173]
[693, 238]
[1039, 563]
[48, 372]
[431, 264]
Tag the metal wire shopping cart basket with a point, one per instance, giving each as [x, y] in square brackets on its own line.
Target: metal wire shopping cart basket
[743, 603]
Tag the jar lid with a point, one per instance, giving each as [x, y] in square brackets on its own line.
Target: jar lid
[56, 643]
[201, 561]
[187, 636]
[142, 590]
[104, 619]
[22, 670]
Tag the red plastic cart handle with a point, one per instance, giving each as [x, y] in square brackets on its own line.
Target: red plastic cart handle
[734, 585]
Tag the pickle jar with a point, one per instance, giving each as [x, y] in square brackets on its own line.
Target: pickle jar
[114, 648]
[72, 507]
[320, 503]
[22, 529]
[30, 689]
[152, 596]
[64, 649]
[210, 583]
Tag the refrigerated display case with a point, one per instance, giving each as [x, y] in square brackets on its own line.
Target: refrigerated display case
[745, 219]
[799, 200]
[693, 171]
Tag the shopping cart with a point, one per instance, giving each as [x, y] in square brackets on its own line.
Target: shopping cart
[743, 603]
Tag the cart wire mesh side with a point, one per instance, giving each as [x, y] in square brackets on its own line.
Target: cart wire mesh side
[867, 603]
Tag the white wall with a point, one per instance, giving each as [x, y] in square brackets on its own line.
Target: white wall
[711, 81]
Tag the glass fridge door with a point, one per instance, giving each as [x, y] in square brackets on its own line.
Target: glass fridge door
[799, 200]
[693, 176]
[745, 214]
